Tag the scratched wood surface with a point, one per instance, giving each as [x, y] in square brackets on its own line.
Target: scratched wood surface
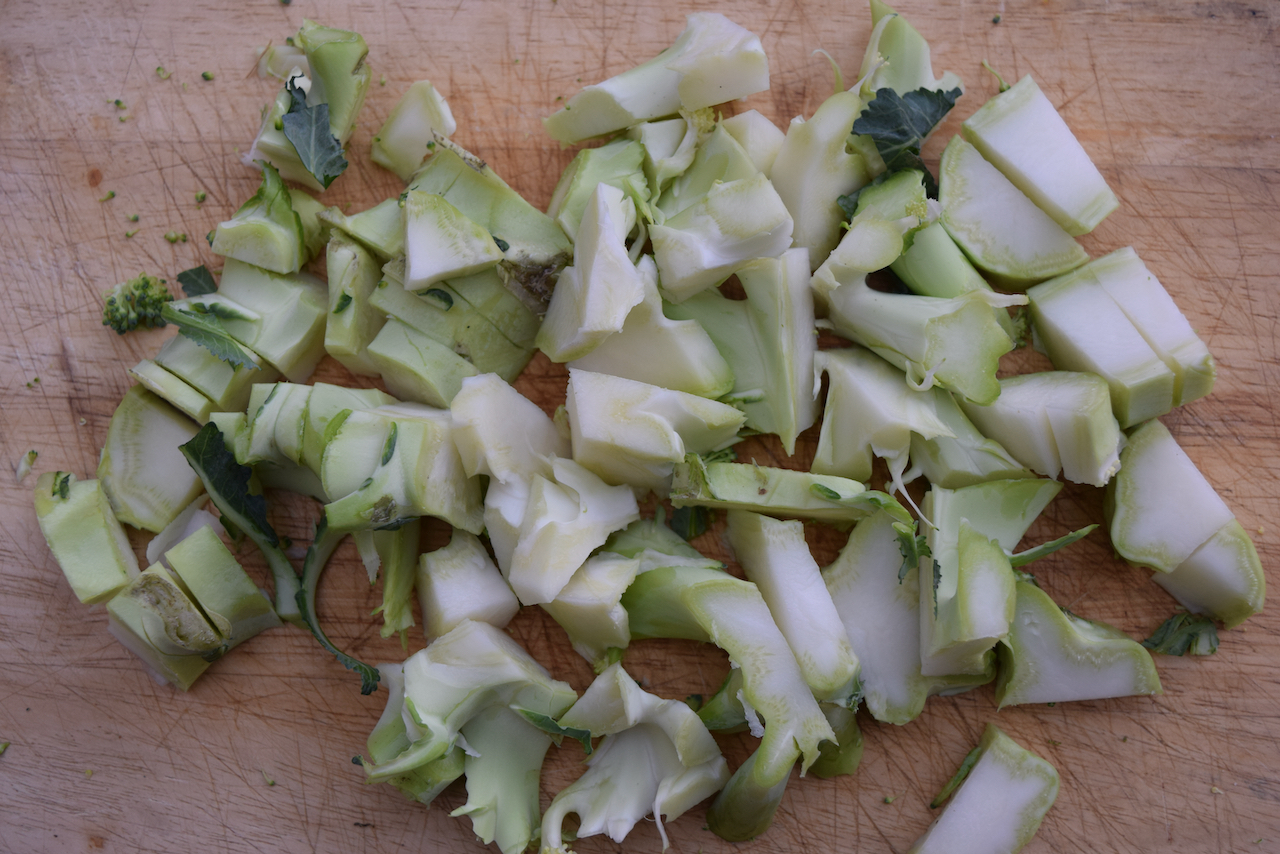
[1177, 103]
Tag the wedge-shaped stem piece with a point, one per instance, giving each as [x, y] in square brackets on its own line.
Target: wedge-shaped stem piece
[395, 731]
[339, 75]
[870, 411]
[593, 297]
[460, 582]
[712, 61]
[84, 535]
[566, 517]
[999, 228]
[1021, 134]
[704, 244]
[503, 772]
[815, 166]
[966, 606]
[172, 389]
[629, 432]
[589, 608]
[441, 242]
[776, 558]
[768, 341]
[653, 348]
[618, 164]
[468, 670]
[1057, 421]
[776, 492]
[656, 757]
[1052, 656]
[214, 579]
[965, 459]
[351, 323]
[1164, 514]
[718, 158]
[141, 468]
[156, 621]
[759, 137]
[898, 57]
[956, 343]
[266, 231]
[501, 433]
[1000, 804]
[380, 229]
[288, 331]
[879, 606]
[407, 137]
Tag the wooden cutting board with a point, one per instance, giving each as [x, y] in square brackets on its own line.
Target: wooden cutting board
[1175, 101]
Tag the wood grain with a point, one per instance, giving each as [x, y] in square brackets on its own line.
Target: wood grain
[1176, 102]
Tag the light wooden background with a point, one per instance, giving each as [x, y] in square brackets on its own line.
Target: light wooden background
[1177, 103]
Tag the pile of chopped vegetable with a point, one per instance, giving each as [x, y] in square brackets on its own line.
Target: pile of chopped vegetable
[682, 273]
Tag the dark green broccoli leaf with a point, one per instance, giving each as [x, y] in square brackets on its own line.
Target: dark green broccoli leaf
[1184, 633]
[197, 281]
[308, 129]
[204, 328]
[548, 725]
[899, 124]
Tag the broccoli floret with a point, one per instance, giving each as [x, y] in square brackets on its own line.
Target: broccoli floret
[135, 303]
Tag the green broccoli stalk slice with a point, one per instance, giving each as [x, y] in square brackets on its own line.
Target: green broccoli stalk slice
[589, 608]
[719, 158]
[503, 770]
[407, 137]
[84, 535]
[227, 483]
[135, 304]
[468, 670]
[214, 579]
[156, 621]
[656, 757]
[461, 582]
[618, 164]
[1053, 656]
[395, 731]
[879, 606]
[898, 57]
[964, 459]
[1000, 803]
[266, 231]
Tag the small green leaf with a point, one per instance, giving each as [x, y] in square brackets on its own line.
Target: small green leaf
[62, 486]
[502, 244]
[690, 522]
[197, 281]
[954, 783]
[344, 302]
[205, 329]
[1024, 558]
[548, 725]
[1184, 633]
[389, 449]
[912, 546]
[227, 483]
[441, 297]
[899, 124]
[308, 129]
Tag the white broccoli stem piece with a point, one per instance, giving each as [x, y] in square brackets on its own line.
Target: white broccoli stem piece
[619, 164]
[1058, 421]
[407, 137]
[1022, 135]
[759, 137]
[226, 595]
[633, 433]
[880, 611]
[870, 410]
[566, 518]
[501, 433]
[956, 343]
[967, 595]
[593, 297]
[712, 61]
[999, 228]
[503, 772]
[441, 242]
[719, 158]
[652, 348]
[84, 535]
[380, 229]
[466, 671]
[589, 608]
[396, 730]
[1000, 804]
[768, 340]
[704, 244]
[1166, 515]
[273, 428]
[460, 582]
[964, 460]
[1052, 656]
[775, 556]
[669, 148]
[814, 167]
[141, 469]
[898, 57]
[326, 402]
